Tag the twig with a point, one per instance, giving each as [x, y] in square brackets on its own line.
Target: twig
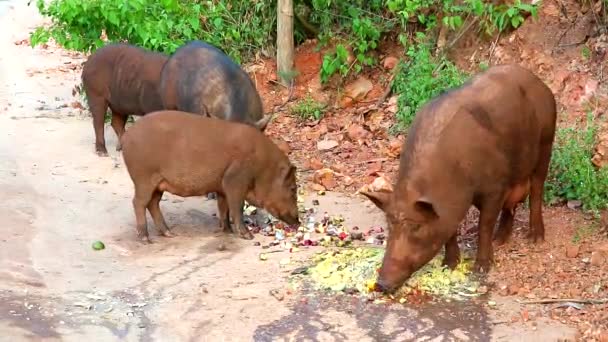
[566, 300]
[557, 44]
[389, 87]
[460, 34]
[493, 48]
[372, 160]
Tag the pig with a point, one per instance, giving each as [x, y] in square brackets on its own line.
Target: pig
[188, 154]
[124, 78]
[486, 143]
[199, 78]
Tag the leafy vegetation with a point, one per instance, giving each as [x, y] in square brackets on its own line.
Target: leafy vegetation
[572, 175]
[421, 78]
[308, 108]
[238, 27]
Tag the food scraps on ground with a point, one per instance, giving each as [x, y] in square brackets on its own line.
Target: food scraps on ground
[332, 229]
[355, 270]
[98, 245]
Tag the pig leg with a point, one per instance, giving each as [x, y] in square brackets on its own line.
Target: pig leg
[142, 198]
[222, 206]
[490, 208]
[537, 227]
[99, 106]
[236, 184]
[157, 215]
[452, 252]
[118, 123]
[505, 227]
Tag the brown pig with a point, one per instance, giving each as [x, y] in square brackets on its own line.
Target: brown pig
[124, 78]
[191, 155]
[487, 143]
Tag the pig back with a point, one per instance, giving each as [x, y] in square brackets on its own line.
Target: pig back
[488, 131]
[200, 75]
[182, 145]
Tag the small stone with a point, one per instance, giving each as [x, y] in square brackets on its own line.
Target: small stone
[390, 62]
[221, 247]
[572, 251]
[325, 145]
[574, 204]
[491, 303]
[513, 289]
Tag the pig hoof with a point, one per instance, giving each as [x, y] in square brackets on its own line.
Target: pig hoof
[168, 233]
[500, 240]
[146, 240]
[451, 263]
[536, 238]
[482, 267]
[102, 153]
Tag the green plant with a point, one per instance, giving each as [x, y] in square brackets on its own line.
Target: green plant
[238, 27]
[357, 27]
[572, 175]
[421, 78]
[308, 108]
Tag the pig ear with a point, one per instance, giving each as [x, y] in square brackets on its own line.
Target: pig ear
[263, 122]
[289, 171]
[381, 198]
[426, 208]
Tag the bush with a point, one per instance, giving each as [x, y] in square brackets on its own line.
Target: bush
[242, 28]
[421, 78]
[237, 27]
[572, 175]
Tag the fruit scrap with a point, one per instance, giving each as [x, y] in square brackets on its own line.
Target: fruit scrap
[357, 270]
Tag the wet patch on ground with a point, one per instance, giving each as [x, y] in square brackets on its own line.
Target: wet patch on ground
[319, 315]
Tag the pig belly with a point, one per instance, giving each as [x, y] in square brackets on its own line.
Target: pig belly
[183, 190]
[516, 195]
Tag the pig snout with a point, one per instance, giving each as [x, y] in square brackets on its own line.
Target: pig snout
[391, 277]
[290, 218]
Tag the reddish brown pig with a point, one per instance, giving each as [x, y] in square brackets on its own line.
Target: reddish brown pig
[124, 78]
[487, 143]
[191, 155]
[200, 78]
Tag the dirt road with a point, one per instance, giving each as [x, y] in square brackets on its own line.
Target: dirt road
[58, 197]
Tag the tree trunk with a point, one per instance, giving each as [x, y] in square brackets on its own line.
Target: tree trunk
[285, 44]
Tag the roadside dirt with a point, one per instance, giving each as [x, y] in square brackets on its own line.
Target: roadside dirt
[58, 197]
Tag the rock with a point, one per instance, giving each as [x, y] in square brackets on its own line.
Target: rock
[325, 177]
[598, 258]
[574, 204]
[590, 90]
[394, 148]
[326, 145]
[356, 91]
[315, 164]
[572, 251]
[390, 62]
[379, 184]
[603, 336]
[339, 168]
[513, 289]
[317, 187]
[356, 133]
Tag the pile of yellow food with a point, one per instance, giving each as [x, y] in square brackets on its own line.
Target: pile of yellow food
[350, 269]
